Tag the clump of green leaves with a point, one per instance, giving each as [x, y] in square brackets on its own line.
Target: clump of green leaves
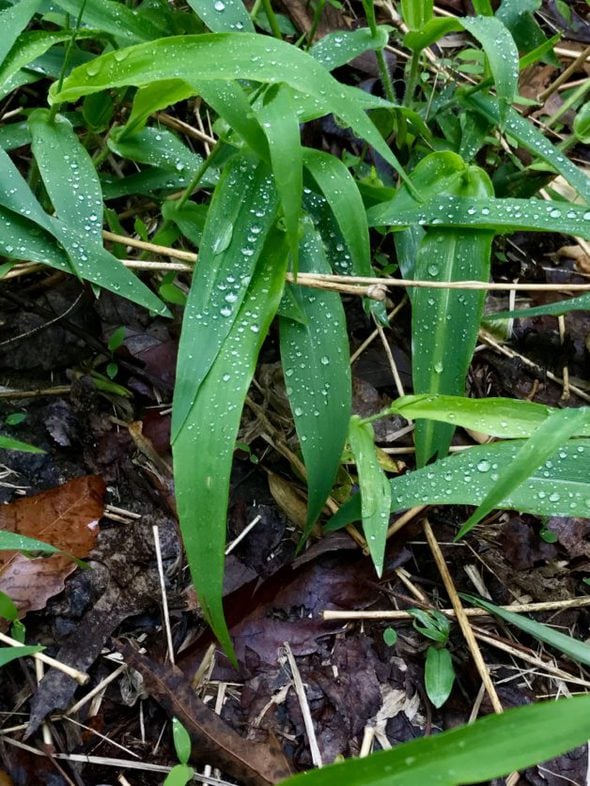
[269, 205]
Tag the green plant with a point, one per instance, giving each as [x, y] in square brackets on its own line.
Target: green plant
[439, 673]
[262, 205]
[181, 773]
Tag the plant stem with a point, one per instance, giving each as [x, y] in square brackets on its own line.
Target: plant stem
[412, 78]
[272, 18]
[67, 57]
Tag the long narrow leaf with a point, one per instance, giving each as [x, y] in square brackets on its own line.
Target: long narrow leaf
[233, 238]
[279, 120]
[375, 489]
[498, 215]
[7, 443]
[225, 56]
[581, 303]
[552, 433]
[529, 137]
[68, 174]
[491, 747]
[573, 648]
[126, 24]
[559, 487]
[223, 16]
[507, 418]
[8, 654]
[315, 359]
[336, 49]
[13, 21]
[205, 442]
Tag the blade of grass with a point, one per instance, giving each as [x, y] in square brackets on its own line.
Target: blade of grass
[375, 489]
[205, 441]
[559, 487]
[7, 443]
[498, 215]
[548, 437]
[528, 136]
[225, 56]
[573, 648]
[507, 418]
[232, 241]
[581, 303]
[280, 123]
[126, 24]
[491, 747]
[13, 21]
[223, 17]
[315, 359]
[340, 47]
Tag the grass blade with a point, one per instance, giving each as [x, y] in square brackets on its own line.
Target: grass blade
[8, 654]
[157, 147]
[529, 137]
[581, 303]
[550, 435]
[491, 747]
[506, 418]
[573, 648]
[498, 215]
[13, 21]
[559, 487]
[68, 174]
[225, 57]
[233, 238]
[126, 24]
[204, 443]
[336, 49]
[223, 17]
[315, 358]
[375, 489]
[7, 443]
[279, 120]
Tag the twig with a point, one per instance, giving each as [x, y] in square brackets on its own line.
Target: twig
[303, 703]
[462, 617]
[525, 608]
[80, 676]
[165, 614]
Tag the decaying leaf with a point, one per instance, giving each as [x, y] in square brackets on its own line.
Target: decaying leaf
[67, 518]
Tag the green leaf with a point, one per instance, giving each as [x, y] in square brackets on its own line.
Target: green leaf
[507, 418]
[491, 747]
[498, 215]
[582, 124]
[340, 47]
[416, 13]
[12, 541]
[439, 675]
[21, 239]
[553, 432]
[28, 47]
[8, 609]
[497, 43]
[151, 99]
[182, 741]
[560, 487]
[179, 775]
[223, 16]
[7, 443]
[225, 57]
[573, 648]
[441, 353]
[526, 135]
[234, 235]
[375, 489]
[13, 21]
[205, 439]
[157, 147]
[126, 24]
[68, 174]
[8, 654]
[581, 303]
[279, 120]
[315, 359]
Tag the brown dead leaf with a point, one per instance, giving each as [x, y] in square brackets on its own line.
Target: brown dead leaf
[579, 254]
[251, 763]
[67, 518]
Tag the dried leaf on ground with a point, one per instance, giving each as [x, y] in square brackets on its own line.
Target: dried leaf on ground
[67, 518]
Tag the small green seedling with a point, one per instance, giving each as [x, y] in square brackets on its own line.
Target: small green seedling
[439, 673]
[180, 774]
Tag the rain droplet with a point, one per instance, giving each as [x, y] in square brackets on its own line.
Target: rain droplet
[219, 6]
[484, 466]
